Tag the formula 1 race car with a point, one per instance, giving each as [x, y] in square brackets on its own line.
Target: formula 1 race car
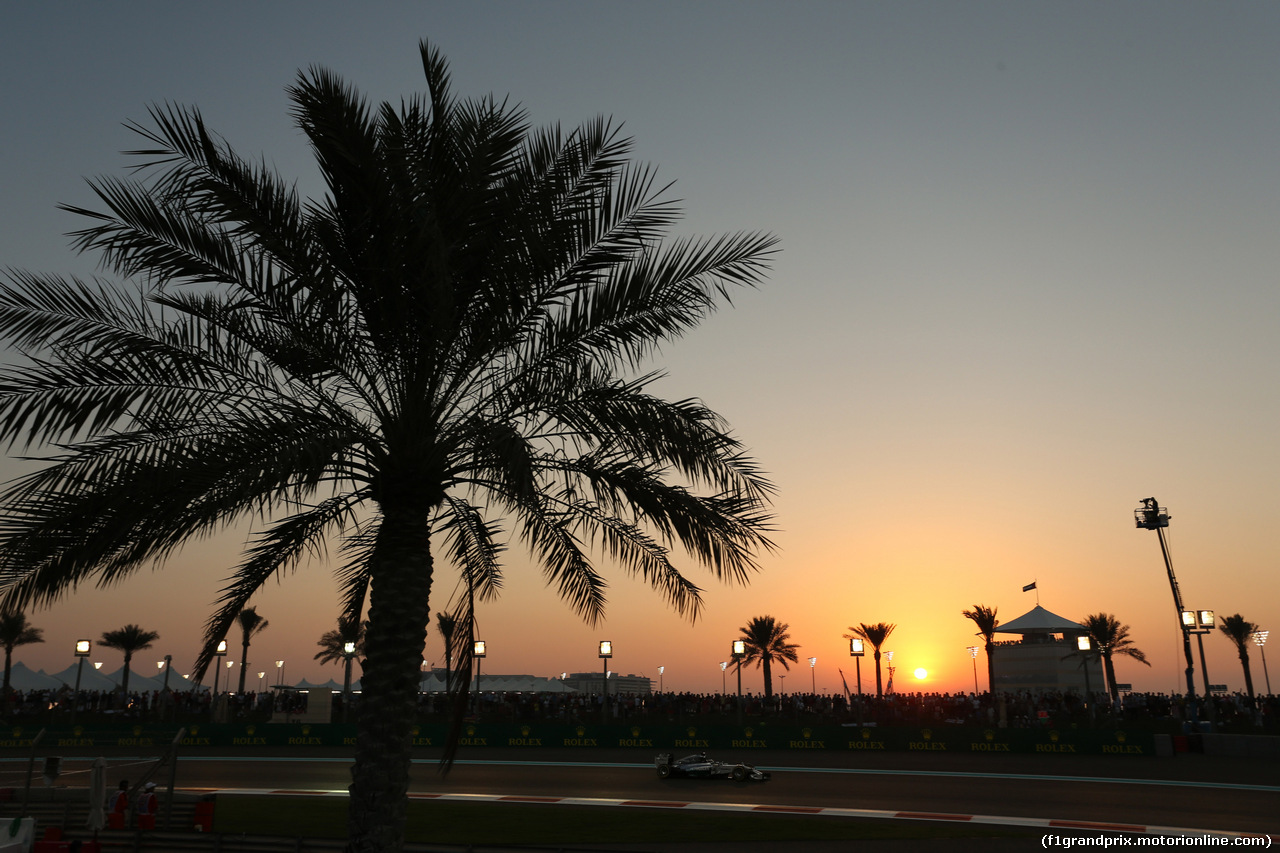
[699, 766]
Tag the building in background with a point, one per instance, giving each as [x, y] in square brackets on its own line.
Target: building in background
[593, 682]
[1046, 658]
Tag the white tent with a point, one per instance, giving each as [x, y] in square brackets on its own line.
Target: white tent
[22, 677]
[304, 684]
[90, 678]
[431, 683]
[139, 682]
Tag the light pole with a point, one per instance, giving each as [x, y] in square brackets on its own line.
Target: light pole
[166, 665]
[661, 670]
[262, 680]
[478, 652]
[813, 679]
[724, 664]
[1260, 640]
[83, 648]
[856, 651]
[739, 652]
[973, 653]
[1084, 644]
[606, 652]
[1200, 622]
[892, 670]
[280, 673]
[219, 652]
[348, 652]
[1150, 516]
[782, 691]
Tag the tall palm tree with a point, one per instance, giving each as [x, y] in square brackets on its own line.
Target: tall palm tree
[875, 635]
[1110, 638]
[251, 625]
[333, 644]
[447, 624]
[985, 618]
[15, 631]
[129, 639]
[442, 348]
[1240, 631]
[765, 641]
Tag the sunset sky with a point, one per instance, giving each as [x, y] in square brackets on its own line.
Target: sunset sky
[1028, 277]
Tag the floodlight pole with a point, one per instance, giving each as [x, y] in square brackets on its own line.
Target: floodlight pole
[606, 653]
[1260, 640]
[478, 651]
[739, 652]
[83, 648]
[1150, 516]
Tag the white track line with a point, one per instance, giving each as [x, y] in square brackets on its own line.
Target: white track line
[880, 814]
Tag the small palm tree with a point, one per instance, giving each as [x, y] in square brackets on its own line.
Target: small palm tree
[765, 640]
[447, 624]
[333, 644]
[875, 635]
[15, 631]
[985, 618]
[1240, 631]
[1111, 638]
[251, 624]
[128, 639]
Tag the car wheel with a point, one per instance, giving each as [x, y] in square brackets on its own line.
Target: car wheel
[664, 770]
[739, 773]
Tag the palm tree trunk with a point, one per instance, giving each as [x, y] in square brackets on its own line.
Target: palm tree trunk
[991, 668]
[398, 615]
[768, 679]
[879, 691]
[1111, 676]
[124, 680]
[244, 663]
[1244, 662]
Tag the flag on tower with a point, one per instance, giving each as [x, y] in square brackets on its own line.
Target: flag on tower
[1029, 587]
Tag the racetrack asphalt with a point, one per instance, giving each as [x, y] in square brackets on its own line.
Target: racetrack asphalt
[1242, 795]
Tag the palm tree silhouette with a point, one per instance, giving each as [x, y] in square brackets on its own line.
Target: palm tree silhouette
[875, 635]
[251, 624]
[1110, 638]
[333, 644]
[447, 624]
[765, 641]
[1240, 631]
[445, 345]
[128, 639]
[15, 631]
[985, 618]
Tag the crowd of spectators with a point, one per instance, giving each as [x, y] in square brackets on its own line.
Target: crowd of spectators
[1156, 711]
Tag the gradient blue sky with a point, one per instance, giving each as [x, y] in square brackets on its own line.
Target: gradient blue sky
[1028, 277]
